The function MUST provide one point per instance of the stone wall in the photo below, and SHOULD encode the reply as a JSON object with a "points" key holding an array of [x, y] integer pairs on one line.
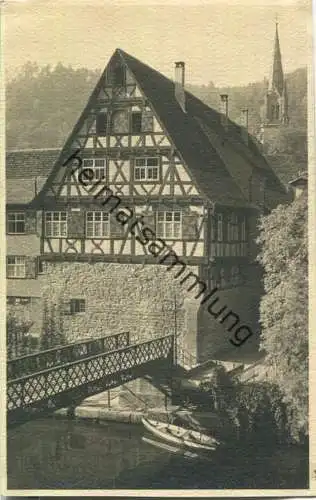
{"points": [[148, 301], [137, 298]]}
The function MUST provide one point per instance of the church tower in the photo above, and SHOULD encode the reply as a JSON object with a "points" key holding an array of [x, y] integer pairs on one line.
{"points": [[275, 108]]}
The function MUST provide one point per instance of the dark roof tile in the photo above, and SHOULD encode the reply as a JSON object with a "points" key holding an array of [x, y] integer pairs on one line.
{"points": [[211, 161], [30, 162]]}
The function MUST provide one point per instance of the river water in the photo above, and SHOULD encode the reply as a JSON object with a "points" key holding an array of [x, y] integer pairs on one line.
{"points": [[62, 454]]}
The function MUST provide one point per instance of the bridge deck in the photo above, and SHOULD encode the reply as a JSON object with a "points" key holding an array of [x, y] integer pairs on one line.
{"points": [[51, 358], [62, 385]]}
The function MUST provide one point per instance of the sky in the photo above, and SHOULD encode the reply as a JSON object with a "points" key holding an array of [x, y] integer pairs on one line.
{"points": [[226, 42]]}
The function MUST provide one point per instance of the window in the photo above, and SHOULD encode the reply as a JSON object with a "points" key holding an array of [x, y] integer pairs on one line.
{"points": [[14, 301], [41, 266], [56, 224], [119, 122], [16, 267], [272, 112], [77, 306], [119, 75], [97, 224], [169, 224], [16, 223], [101, 124], [98, 165], [142, 122], [146, 169], [136, 122], [219, 227], [232, 228], [147, 121]]}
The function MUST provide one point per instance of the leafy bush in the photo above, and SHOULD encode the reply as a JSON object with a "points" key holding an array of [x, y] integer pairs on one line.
{"points": [[52, 330], [284, 306], [261, 414], [17, 336]]}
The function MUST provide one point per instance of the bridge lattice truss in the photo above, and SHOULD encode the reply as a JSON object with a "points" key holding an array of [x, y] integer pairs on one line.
{"points": [[63, 384]]}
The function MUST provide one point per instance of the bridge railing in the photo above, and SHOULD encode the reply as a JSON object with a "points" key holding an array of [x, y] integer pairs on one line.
{"points": [[109, 367], [185, 358], [63, 354]]}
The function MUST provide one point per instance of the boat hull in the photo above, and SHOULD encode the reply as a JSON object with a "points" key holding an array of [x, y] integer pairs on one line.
{"points": [[177, 450], [179, 436]]}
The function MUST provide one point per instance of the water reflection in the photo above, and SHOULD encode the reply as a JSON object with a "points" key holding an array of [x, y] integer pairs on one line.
{"points": [[56, 454]]}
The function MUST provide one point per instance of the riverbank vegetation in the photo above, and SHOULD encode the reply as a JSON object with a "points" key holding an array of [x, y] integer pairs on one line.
{"points": [[19, 341], [284, 307]]}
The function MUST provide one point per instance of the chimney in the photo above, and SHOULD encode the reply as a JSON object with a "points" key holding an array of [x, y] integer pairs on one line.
{"points": [[179, 84], [224, 110], [244, 125]]}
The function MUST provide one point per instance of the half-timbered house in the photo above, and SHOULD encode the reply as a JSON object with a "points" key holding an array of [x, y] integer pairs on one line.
{"points": [[197, 180]]}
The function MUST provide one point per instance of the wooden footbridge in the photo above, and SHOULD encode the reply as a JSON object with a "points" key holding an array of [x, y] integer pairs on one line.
{"points": [[65, 375]]}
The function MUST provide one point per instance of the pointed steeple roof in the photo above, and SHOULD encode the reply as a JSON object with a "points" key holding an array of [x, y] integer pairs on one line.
{"points": [[277, 77]]}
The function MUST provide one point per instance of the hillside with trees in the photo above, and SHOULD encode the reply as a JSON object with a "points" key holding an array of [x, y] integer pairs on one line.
{"points": [[43, 103]]}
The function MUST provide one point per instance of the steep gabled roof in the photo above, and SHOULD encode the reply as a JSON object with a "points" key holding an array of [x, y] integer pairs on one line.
{"points": [[208, 149], [205, 159], [207, 168]]}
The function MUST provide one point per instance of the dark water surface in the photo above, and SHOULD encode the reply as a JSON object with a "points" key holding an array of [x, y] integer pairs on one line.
{"points": [[58, 454]]}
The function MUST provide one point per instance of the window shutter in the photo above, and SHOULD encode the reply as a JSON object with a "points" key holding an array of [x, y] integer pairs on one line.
{"points": [[129, 77], [150, 221], [30, 222], [101, 123], [39, 221], [189, 226], [117, 229], [30, 267], [119, 76], [136, 122], [66, 307], [147, 121], [213, 228], [76, 224], [119, 122]]}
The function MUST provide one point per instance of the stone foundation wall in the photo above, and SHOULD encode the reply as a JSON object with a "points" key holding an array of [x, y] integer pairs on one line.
{"points": [[148, 301], [145, 300]]}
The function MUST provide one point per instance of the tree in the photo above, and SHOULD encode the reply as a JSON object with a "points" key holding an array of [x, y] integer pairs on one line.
{"points": [[43, 103], [17, 336], [284, 306], [52, 329]]}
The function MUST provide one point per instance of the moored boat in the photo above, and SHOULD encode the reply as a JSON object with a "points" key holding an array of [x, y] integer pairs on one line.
{"points": [[178, 450], [180, 436]]}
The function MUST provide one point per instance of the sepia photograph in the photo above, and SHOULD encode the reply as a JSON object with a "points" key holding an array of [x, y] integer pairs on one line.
{"points": [[156, 235]]}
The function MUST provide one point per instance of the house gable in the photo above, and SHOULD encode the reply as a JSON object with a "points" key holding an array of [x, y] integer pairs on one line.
{"points": [[121, 135]]}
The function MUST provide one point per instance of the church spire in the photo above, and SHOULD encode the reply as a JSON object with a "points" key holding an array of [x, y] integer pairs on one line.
{"points": [[275, 109], [277, 77]]}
